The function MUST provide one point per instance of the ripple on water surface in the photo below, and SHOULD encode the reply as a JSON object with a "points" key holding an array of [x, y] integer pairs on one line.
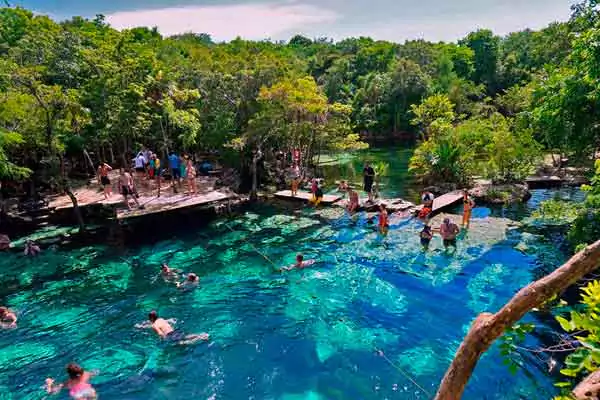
{"points": [[310, 334]]}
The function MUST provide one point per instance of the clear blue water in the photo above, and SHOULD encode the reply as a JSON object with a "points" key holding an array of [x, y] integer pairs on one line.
{"points": [[300, 335]]}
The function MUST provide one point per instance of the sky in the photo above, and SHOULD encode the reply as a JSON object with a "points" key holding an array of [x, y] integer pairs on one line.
{"points": [[394, 20]]}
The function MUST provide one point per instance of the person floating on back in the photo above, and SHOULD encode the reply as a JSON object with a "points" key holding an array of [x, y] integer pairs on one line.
{"points": [[449, 230], [468, 205], [299, 264], [78, 384], [368, 178], [164, 329]]}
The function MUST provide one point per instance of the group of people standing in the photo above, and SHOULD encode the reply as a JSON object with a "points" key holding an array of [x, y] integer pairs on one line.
{"points": [[448, 230], [148, 168]]}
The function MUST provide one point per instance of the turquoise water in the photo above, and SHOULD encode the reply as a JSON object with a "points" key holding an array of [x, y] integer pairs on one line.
{"points": [[301, 335]]}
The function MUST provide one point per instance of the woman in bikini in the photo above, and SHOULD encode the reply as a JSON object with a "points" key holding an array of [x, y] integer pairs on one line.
{"points": [[103, 170], [190, 173], [78, 384]]}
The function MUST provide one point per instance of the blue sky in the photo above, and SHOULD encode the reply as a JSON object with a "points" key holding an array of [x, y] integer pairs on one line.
{"points": [[395, 20]]}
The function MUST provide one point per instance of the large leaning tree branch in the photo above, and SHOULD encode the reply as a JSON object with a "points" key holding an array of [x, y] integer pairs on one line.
{"points": [[488, 327]]}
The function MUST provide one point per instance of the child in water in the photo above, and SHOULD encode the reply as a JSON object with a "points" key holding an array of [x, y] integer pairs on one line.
{"points": [[78, 384]]}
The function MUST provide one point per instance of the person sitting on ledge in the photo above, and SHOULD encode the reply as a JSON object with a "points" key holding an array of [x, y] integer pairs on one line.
{"points": [[300, 263], [352, 200]]}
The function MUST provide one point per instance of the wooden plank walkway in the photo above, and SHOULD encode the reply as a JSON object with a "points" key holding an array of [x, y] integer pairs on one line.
{"points": [[169, 203], [306, 196], [447, 200]]}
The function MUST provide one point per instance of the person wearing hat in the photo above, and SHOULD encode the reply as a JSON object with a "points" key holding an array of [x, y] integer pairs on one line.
{"points": [[449, 230]]}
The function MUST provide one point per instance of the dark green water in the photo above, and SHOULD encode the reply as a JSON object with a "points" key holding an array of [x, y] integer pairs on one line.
{"points": [[300, 335]]}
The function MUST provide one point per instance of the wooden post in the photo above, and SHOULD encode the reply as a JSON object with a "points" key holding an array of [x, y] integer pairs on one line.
{"points": [[488, 327]]}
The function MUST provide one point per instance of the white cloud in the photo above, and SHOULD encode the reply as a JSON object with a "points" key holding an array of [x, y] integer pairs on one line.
{"points": [[250, 21], [501, 19]]}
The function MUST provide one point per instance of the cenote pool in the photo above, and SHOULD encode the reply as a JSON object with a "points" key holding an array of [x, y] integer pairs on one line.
{"points": [[301, 335]]}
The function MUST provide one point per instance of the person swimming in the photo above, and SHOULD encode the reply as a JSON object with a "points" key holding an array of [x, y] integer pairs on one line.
{"points": [[31, 249], [299, 264], [78, 384], [190, 282], [164, 329], [426, 236], [8, 319]]}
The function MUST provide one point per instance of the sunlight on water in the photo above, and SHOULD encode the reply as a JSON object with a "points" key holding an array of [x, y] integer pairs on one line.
{"points": [[310, 334]]}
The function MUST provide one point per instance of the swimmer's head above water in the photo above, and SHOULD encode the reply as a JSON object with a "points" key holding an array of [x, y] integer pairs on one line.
{"points": [[192, 277], [165, 268], [74, 371], [299, 258], [153, 316]]}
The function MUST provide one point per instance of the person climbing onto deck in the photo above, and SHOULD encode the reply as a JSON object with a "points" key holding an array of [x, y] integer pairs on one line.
{"points": [[103, 170], [368, 179], [164, 329], [353, 201], [384, 224], [449, 230], [299, 264], [190, 282], [426, 235], [468, 205], [31, 249], [126, 187], [8, 319], [78, 384]]}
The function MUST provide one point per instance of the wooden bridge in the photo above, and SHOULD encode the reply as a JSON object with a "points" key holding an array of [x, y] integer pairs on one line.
{"points": [[306, 196]]}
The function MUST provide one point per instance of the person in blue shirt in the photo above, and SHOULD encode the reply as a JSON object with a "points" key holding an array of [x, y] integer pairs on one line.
{"points": [[175, 169]]}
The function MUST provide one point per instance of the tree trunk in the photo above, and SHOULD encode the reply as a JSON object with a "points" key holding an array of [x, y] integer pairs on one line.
{"points": [[589, 387], [488, 327], [76, 208]]}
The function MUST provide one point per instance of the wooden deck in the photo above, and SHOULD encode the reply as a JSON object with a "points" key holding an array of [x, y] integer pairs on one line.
{"points": [[169, 203], [447, 200], [306, 196], [540, 182]]}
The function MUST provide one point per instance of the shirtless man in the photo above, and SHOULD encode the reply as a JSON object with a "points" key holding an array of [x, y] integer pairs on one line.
{"points": [[300, 263], [449, 230], [126, 187], [8, 319], [166, 331]]}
